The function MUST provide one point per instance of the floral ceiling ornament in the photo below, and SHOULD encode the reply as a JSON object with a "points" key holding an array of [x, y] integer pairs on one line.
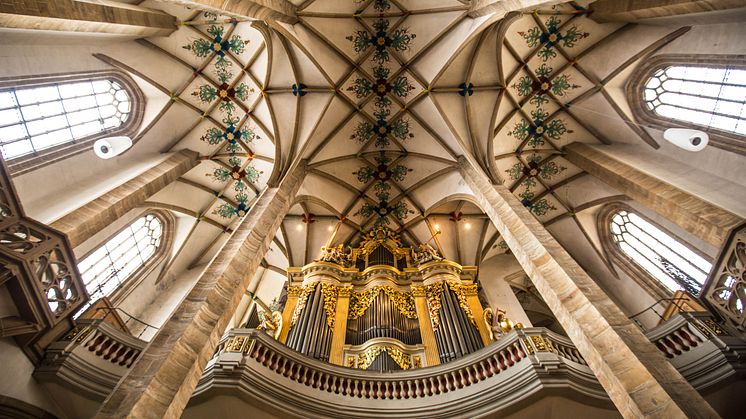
{"points": [[227, 210], [227, 92], [542, 85], [539, 127], [382, 129], [552, 37], [546, 171], [237, 173], [539, 207], [381, 40], [382, 175], [231, 136]]}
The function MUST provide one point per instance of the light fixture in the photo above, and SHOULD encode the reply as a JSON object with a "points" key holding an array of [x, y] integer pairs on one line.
{"points": [[299, 227], [467, 226], [688, 139], [330, 228], [109, 147], [436, 227]]}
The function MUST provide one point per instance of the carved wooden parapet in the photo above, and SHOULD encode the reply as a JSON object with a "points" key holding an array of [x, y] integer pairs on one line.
{"points": [[725, 288], [40, 271]]}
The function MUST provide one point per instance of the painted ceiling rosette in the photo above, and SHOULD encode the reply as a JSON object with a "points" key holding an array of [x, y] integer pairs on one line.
{"points": [[236, 136], [382, 129]]}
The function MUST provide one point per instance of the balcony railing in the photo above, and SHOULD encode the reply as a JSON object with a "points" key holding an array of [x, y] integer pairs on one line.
{"points": [[38, 267], [91, 357]]}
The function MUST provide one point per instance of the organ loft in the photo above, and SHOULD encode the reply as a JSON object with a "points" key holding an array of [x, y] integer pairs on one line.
{"points": [[372, 209]]}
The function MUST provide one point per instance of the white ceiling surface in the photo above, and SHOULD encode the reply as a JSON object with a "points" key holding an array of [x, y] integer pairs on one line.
{"points": [[449, 49]]}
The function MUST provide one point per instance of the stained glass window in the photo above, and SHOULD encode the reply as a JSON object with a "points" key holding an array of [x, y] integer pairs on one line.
{"points": [[110, 265], [665, 258], [35, 118], [713, 97]]}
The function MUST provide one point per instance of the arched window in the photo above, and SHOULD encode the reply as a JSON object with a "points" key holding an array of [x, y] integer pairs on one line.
{"points": [[58, 116], [651, 253], [706, 92], [107, 268]]}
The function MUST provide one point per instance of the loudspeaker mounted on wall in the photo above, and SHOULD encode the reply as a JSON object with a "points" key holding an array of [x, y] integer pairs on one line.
{"points": [[107, 148], [688, 139]]}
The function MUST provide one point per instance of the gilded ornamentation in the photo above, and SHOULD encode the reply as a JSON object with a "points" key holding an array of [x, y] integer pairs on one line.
{"points": [[345, 292], [418, 291], [294, 291], [460, 291], [715, 327], [360, 301], [366, 359], [542, 344], [350, 362], [271, 323], [425, 253], [527, 345], [433, 302], [302, 300], [416, 361], [330, 293], [235, 344], [335, 255], [705, 331]]}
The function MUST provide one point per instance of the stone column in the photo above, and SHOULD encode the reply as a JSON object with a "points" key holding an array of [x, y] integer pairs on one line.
{"points": [[426, 326], [638, 378], [268, 10], [336, 356], [644, 10], [164, 378], [287, 313], [86, 16], [704, 220], [81, 224]]}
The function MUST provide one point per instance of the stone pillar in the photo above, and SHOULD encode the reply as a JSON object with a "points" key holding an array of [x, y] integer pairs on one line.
{"points": [[160, 384], [85, 16], [494, 275], [704, 220], [638, 378], [644, 10], [426, 326], [336, 356], [502, 7], [287, 313], [478, 311], [81, 224], [268, 10]]}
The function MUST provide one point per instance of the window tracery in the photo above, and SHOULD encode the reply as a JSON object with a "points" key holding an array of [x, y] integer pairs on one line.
{"points": [[47, 118], [111, 265], [705, 92], [650, 253]]}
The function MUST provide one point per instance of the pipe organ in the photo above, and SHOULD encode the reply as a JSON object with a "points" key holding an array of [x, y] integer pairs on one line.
{"points": [[383, 307]]}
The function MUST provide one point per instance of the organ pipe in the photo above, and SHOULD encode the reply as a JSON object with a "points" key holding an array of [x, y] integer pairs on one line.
{"points": [[382, 305]]}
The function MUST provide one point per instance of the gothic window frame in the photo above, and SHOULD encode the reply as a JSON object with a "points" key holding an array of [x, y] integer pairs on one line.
{"points": [[618, 258], [635, 91], [33, 161], [134, 279]]}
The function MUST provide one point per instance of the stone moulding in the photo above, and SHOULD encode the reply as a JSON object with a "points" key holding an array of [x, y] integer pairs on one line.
{"points": [[295, 385]]}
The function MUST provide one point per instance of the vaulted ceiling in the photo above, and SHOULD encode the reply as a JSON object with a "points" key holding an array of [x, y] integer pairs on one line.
{"points": [[381, 97]]}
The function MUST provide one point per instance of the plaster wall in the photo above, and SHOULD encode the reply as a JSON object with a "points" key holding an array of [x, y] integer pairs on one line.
{"points": [[18, 382], [492, 274]]}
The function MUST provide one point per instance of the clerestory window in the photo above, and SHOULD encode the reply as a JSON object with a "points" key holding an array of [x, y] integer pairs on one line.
{"points": [[58, 116], [706, 92], [655, 253], [107, 268]]}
